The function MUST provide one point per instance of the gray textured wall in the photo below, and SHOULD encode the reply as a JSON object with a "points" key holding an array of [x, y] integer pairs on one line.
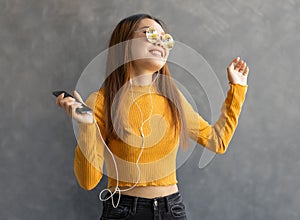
{"points": [[45, 45]]}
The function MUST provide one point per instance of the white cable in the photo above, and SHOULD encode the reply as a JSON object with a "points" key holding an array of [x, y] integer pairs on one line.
{"points": [[117, 189]]}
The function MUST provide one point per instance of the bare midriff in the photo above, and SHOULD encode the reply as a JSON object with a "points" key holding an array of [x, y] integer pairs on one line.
{"points": [[149, 191]]}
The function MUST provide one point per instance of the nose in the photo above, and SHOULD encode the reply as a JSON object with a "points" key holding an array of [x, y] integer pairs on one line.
{"points": [[159, 42]]}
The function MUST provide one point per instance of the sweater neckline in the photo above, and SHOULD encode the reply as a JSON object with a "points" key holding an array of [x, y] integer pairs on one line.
{"points": [[143, 88]]}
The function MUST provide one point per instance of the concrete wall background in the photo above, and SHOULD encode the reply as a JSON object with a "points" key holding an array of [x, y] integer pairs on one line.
{"points": [[45, 45]]}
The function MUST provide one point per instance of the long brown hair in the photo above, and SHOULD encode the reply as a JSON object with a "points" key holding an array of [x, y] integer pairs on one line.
{"points": [[118, 71]]}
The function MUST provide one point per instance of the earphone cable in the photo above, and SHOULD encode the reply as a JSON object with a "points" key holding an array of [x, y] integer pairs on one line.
{"points": [[117, 189]]}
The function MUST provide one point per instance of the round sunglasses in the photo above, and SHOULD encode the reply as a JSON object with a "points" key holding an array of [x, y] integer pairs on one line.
{"points": [[153, 36]]}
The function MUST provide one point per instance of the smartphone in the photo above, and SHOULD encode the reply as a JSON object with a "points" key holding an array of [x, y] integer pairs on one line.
{"points": [[83, 110]]}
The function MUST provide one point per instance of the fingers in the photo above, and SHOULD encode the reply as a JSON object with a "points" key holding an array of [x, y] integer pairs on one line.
{"points": [[233, 63], [62, 101], [246, 71], [239, 65], [236, 60], [61, 96], [70, 107], [73, 107], [69, 104], [66, 104], [77, 96]]}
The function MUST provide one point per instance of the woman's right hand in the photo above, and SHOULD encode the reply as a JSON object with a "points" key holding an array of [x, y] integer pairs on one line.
{"points": [[70, 105]]}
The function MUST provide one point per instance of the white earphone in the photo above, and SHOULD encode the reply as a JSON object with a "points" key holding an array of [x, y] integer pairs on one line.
{"points": [[117, 189]]}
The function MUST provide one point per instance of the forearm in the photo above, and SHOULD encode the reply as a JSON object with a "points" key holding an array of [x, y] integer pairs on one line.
{"points": [[86, 174], [220, 135], [88, 158]]}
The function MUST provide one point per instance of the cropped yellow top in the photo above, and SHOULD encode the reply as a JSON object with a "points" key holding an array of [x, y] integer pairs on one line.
{"points": [[157, 159]]}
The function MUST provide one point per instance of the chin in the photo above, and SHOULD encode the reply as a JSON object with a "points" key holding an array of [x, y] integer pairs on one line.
{"points": [[157, 64], [152, 64]]}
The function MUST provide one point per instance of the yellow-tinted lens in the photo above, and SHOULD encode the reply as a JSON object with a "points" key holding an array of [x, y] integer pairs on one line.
{"points": [[167, 41], [152, 34]]}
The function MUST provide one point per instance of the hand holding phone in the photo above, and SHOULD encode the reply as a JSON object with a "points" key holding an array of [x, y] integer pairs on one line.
{"points": [[83, 110], [84, 113]]}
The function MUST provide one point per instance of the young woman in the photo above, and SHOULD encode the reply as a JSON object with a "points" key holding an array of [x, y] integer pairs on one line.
{"points": [[139, 117]]}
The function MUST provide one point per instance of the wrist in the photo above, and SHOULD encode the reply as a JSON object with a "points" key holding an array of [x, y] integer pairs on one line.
{"points": [[239, 83]]}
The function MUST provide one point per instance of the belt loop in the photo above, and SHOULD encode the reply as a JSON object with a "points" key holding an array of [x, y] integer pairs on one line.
{"points": [[167, 204], [135, 200]]}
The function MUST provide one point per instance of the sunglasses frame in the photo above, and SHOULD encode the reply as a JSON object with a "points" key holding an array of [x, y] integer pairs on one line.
{"points": [[167, 45]]}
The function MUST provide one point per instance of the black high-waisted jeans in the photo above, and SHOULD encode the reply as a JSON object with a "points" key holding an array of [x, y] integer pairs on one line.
{"points": [[137, 208]]}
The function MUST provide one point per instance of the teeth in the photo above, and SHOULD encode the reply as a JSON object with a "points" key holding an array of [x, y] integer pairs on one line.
{"points": [[156, 53]]}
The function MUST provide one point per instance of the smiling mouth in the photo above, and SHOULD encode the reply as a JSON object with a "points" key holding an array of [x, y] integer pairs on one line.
{"points": [[156, 53]]}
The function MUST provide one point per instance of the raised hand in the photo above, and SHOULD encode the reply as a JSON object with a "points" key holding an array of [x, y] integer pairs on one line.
{"points": [[70, 104], [238, 72]]}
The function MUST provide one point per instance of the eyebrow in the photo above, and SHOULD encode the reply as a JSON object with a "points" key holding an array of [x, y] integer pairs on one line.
{"points": [[148, 27]]}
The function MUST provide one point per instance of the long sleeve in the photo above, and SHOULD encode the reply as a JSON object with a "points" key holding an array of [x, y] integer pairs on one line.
{"points": [[89, 158], [217, 137]]}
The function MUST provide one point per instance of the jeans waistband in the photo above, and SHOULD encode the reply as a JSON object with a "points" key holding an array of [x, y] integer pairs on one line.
{"points": [[161, 202]]}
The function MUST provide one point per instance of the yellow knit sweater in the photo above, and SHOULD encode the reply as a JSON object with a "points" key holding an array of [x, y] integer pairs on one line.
{"points": [[157, 160]]}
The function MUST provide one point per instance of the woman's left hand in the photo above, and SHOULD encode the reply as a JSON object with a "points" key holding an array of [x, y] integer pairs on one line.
{"points": [[238, 72]]}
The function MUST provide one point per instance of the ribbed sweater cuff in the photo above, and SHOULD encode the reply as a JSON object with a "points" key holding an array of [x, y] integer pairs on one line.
{"points": [[237, 93]]}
